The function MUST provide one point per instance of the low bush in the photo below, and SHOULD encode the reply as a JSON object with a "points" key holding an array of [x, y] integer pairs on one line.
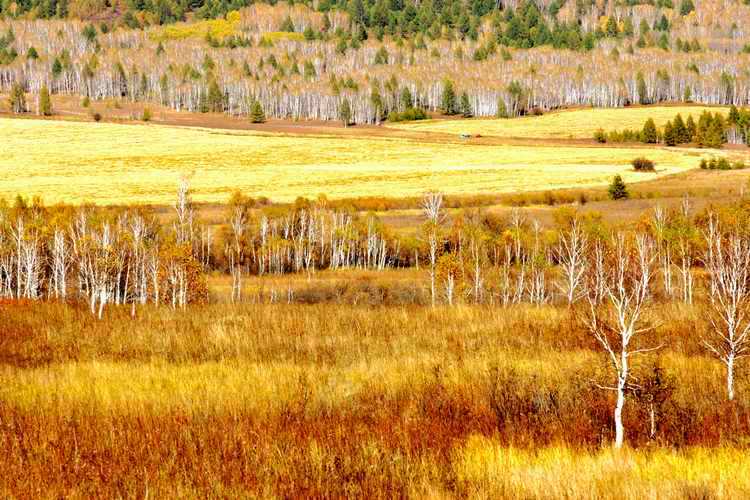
{"points": [[643, 165]]}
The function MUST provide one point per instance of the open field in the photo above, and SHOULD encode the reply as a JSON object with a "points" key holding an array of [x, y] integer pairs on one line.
{"points": [[565, 124], [109, 163], [327, 400]]}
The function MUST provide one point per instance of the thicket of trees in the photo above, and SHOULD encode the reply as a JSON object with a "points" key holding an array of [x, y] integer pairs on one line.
{"points": [[712, 130], [302, 63]]}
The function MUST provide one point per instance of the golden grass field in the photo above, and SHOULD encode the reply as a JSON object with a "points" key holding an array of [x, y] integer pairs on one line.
{"points": [[335, 401], [566, 124], [110, 163]]}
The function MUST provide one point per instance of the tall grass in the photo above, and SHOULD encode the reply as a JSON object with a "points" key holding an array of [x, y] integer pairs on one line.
{"points": [[326, 400]]}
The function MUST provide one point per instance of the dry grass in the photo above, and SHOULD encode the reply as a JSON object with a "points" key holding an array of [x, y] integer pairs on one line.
{"points": [[113, 164], [336, 401], [487, 469], [567, 124]]}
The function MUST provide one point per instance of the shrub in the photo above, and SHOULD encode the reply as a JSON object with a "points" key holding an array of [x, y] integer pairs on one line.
{"points": [[723, 164], [146, 117], [704, 164], [97, 117], [643, 165], [600, 136], [410, 114], [86, 102]]}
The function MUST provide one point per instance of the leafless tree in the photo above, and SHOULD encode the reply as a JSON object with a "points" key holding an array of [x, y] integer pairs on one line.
{"points": [[728, 269], [432, 208], [184, 213], [571, 254], [620, 318]]}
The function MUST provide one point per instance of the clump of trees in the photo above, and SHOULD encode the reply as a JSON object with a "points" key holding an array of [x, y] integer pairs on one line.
{"points": [[712, 130]]}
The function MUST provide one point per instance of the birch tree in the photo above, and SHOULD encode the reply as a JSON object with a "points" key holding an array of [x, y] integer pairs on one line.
{"points": [[619, 321], [432, 208], [728, 268], [571, 255]]}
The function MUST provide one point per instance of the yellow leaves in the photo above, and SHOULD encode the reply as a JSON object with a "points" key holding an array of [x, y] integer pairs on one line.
{"points": [[234, 17], [216, 28], [274, 36], [603, 20]]}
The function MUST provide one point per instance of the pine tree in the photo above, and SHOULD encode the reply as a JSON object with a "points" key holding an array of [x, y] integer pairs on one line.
{"points": [[649, 135], [617, 189], [257, 115], [670, 137], [345, 112], [406, 100], [45, 102], [734, 115], [691, 129], [215, 98], [17, 99], [465, 106], [448, 99], [686, 7], [642, 90], [680, 130], [57, 68]]}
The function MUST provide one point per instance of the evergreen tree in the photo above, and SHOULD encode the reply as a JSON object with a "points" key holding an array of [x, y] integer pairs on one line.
{"points": [[649, 135], [617, 189], [502, 110], [691, 129], [686, 7], [45, 102], [257, 115], [215, 97], [642, 90], [670, 137], [17, 99], [57, 68], [465, 105], [406, 100], [680, 130], [664, 42], [448, 99], [734, 115], [345, 112]]}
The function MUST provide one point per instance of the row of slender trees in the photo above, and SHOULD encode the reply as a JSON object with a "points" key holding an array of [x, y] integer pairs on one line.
{"points": [[613, 279], [290, 76]]}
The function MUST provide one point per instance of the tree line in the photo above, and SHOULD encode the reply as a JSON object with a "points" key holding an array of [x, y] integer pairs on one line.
{"points": [[711, 130]]}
